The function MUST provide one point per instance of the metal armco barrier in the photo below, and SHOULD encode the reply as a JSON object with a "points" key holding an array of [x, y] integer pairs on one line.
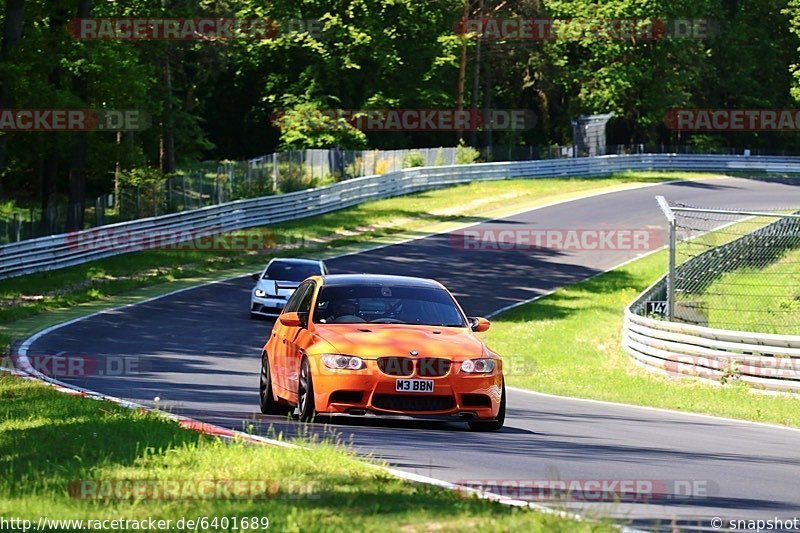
{"points": [[762, 361], [59, 251]]}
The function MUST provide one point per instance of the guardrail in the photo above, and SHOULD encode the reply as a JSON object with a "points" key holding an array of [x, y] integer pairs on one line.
{"points": [[59, 251], [763, 361]]}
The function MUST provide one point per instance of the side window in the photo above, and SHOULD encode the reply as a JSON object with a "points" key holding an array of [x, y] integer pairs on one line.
{"points": [[305, 301], [299, 296]]}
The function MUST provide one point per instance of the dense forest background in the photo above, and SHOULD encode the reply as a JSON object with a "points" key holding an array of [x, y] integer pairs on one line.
{"points": [[215, 100]]}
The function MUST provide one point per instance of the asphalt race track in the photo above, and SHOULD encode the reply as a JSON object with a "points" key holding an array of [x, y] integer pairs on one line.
{"points": [[199, 352]]}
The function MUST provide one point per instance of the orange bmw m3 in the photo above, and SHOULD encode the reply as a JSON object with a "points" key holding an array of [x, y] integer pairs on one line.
{"points": [[365, 345]]}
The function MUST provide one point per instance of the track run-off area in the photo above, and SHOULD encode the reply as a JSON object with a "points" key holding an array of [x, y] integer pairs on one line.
{"points": [[200, 353]]}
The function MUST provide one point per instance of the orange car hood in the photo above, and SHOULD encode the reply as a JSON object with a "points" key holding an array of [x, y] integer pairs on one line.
{"points": [[376, 340]]}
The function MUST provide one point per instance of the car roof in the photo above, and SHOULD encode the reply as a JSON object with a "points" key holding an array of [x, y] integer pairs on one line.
{"points": [[296, 261], [338, 280]]}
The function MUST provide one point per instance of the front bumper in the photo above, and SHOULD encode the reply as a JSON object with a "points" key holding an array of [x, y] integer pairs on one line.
{"points": [[371, 392], [271, 306]]}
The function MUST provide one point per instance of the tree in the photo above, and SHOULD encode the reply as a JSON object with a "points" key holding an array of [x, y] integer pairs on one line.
{"points": [[12, 33]]}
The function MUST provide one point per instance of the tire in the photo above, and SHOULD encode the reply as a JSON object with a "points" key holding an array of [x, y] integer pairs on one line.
{"points": [[266, 398], [254, 316], [497, 423], [306, 408]]}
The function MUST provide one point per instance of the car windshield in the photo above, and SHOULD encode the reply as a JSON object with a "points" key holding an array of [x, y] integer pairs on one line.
{"points": [[290, 271], [387, 305]]}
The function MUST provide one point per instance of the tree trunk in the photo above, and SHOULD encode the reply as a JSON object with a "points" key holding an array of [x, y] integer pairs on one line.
{"points": [[462, 71], [476, 83], [167, 144], [80, 146], [487, 100], [49, 185], [52, 149], [12, 33]]}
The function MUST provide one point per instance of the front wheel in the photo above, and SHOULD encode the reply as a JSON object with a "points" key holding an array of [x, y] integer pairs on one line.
{"points": [[497, 423], [306, 407], [266, 398]]}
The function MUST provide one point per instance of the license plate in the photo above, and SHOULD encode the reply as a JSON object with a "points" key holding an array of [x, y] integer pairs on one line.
{"points": [[414, 385]]}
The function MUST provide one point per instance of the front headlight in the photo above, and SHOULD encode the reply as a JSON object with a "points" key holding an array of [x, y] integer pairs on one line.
{"points": [[337, 361], [260, 293], [478, 366]]}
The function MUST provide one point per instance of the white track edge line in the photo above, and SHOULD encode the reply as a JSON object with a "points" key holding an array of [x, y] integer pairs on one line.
{"points": [[765, 425]]}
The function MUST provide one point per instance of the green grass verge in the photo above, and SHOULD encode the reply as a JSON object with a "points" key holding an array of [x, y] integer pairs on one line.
{"points": [[755, 299], [49, 440], [568, 344], [31, 302]]}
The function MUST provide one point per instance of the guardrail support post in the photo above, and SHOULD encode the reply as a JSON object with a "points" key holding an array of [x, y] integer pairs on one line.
{"points": [[662, 202], [671, 274]]}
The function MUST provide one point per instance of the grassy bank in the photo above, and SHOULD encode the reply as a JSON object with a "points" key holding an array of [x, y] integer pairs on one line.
{"points": [[755, 299], [49, 441], [568, 343], [30, 302]]}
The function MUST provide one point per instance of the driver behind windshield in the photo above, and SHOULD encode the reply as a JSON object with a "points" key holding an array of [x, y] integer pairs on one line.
{"points": [[344, 311], [388, 305]]}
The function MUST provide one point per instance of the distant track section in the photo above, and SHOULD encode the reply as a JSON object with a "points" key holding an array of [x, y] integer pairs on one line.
{"points": [[64, 250]]}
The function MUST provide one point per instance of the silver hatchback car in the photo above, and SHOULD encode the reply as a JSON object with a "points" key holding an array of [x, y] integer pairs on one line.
{"points": [[277, 283]]}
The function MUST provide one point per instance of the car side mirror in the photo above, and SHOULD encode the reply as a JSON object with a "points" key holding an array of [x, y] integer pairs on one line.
{"points": [[255, 276], [291, 319], [479, 324], [294, 320]]}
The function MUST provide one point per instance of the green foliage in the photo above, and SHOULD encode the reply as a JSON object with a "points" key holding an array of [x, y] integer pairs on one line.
{"points": [[793, 12], [706, 143], [439, 160], [240, 98], [140, 176], [413, 159], [243, 188], [294, 178], [306, 126], [466, 154]]}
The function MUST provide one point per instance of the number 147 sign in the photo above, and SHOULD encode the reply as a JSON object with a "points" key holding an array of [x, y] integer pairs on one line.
{"points": [[656, 308]]}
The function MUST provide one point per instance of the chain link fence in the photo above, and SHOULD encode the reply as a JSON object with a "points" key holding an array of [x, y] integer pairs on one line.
{"points": [[731, 269], [213, 183]]}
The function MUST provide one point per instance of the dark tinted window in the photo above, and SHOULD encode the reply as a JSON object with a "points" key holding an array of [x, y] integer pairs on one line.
{"points": [[301, 296], [305, 302], [290, 271], [387, 304]]}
